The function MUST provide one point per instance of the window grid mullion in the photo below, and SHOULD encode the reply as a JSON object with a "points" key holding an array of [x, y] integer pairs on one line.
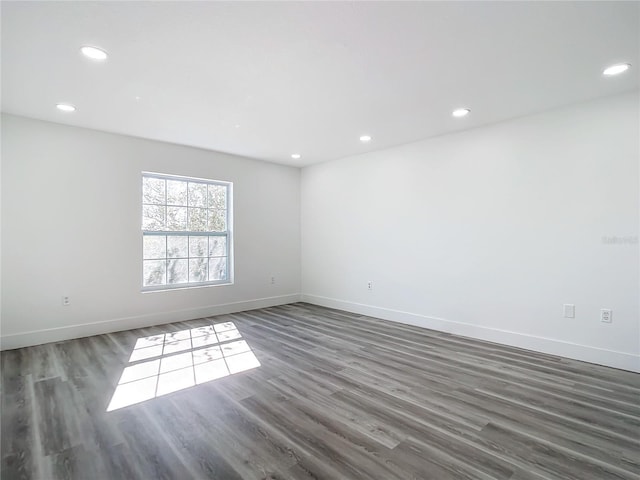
{"points": [[188, 207], [166, 198], [166, 259], [185, 233]]}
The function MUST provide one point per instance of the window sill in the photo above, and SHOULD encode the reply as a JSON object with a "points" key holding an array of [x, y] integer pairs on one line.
{"points": [[164, 288]]}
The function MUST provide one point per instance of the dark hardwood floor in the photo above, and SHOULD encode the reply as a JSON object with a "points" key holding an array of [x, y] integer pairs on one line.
{"points": [[335, 396]]}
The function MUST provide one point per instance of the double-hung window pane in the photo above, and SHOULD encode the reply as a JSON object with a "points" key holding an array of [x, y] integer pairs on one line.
{"points": [[185, 232]]}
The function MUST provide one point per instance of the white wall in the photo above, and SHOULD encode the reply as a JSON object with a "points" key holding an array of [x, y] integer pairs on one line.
{"points": [[71, 226], [487, 232]]}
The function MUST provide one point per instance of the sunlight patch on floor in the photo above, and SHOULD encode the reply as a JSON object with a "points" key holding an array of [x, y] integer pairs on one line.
{"points": [[172, 361]]}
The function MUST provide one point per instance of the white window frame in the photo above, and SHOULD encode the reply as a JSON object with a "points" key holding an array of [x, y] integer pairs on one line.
{"points": [[187, 233]]}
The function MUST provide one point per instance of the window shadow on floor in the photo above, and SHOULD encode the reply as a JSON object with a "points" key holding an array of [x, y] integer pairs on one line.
{"points": [[168, 362]]}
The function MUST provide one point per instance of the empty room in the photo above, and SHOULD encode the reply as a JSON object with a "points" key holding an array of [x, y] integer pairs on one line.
{"points": [[320, 240]]}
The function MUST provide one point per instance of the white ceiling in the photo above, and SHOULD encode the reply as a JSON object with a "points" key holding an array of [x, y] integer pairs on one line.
{"points": [[309, 78]]}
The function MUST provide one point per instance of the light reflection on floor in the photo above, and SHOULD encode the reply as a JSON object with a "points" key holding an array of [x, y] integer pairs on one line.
{"points": [[169, 362]]}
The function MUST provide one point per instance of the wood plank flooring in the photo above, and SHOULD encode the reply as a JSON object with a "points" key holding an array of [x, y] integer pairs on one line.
{"points": [[336, 396]]}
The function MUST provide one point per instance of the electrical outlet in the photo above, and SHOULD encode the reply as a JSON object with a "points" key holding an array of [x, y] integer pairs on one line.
{"points": [[273, 280], [369, 285], [568, 310], [66, 301], [606, 315]]}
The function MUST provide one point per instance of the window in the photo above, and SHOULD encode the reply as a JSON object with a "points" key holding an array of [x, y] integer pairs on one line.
{"points": [[185, 232]]}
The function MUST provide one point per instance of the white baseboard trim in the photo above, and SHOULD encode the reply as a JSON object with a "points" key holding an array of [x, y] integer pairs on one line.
{"points": [[38, 337], [600, 356]]}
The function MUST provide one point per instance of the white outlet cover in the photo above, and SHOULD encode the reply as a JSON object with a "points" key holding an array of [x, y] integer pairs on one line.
{"points": [[606, 315], [568, 310]]}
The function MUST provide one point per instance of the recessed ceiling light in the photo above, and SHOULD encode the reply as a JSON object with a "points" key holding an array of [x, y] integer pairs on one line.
{"points": [[616, 69], [296, 156], [460, 112], [94, 53], [365, 138], [65, 107]]}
